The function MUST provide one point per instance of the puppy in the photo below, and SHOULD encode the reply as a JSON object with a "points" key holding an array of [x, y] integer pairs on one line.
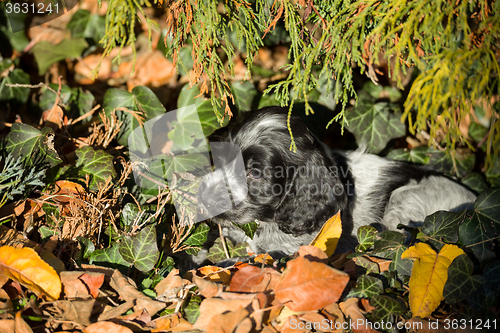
{"points": [[292, 194]]}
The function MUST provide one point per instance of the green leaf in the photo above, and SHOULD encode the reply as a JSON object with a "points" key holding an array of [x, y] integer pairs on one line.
{"points": [[87, 245], [192, 310], [244, 93], [78, 23], [141, 100], [98, 164], [401, 266], [443, 162], [491, 272], [443, 227], [47, 54], [85, 25], [162, 167], [216, 252], [46, 232], [415, 155], [366, 287], [475, 182], [141, 249], [493, 172], [461, 283], [478, 231], [390, 244], [386, 307], [48, 98], [81, 102], [388, 241], [366, 237], [379, 92], [368, 265], [477, 132], [197, 238], [375, 124], [30, 143], [111, 255], [248, 228], [17, 95]]}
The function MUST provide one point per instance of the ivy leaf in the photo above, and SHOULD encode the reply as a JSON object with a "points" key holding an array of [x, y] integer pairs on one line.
{"points": [[399, 265], [478, 231], [98, 164], [248, 228], [443, 226], [475, 182], [390, 244], [48, 97], [83, 24], [197, 238], [30, 143], [493, 172], [141, 249], [244, 93], [366, 287], [461, 284], [216, 252], [443, 162], [88, 246], [47, 54], [19, 95], [110, 255], [141, 100], [416, 155], [162, 167], [375, 124], [366, 237], [428, 276], [386, 307], [131, 213], [192, 310]]}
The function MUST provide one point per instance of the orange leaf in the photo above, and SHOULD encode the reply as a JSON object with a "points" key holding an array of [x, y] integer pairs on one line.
{"points": [[25, 266], [351, 309], [215, 274], [254, 279], [312, 253], [67, 191], [106, 327], [428, 276], [211, 307], [264, 258], [309, 286], [328, 237]]}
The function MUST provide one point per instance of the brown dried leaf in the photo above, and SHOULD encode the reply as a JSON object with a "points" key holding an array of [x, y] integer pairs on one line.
{"points": [[254, 279], [20, 325], [93, 281], [77, 311], [153, 68], [171, 283], [309, 286], [207, 288], [351, 309], [211, 307], [313, 253], [73, 287], [106, 327], [227, 322], [7, 325]]}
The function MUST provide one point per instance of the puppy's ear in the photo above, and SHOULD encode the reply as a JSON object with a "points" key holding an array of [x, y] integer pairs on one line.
{"points": [[314, 192]]}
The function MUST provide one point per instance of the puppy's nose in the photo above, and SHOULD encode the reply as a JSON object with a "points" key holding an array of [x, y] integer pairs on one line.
{"points": [[213, 198]]}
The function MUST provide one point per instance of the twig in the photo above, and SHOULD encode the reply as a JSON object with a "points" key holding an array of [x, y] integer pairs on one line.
{"points": [[91, 112], [223, 242]]}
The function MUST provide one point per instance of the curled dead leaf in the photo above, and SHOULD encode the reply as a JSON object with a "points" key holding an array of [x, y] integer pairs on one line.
{"points": [[106, 327], [254, 279]]}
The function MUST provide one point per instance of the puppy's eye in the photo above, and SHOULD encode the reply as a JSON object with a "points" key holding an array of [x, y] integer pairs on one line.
{"points": [[255, 173]]}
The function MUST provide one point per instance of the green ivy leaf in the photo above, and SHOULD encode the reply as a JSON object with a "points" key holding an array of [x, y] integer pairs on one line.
{"points": [[85, 25], [375, 124], [110, 255], [366, 287], [461, 283], [475, 182], [386, 307], [87, 245], [366, 237], [478, 231], [192, 310], [16, 95], [390, 244], [197, 238], [248, 228], [98, 164], [216, 252], [443, 227], [47, 54], [48, 98], [416, 155], [162, 167], [244, 93], [443, 162], [46, 232], [401, 266], [368, 265], [141, 249], [141, 100], [80, 103], [493, 172], [30, 143]]}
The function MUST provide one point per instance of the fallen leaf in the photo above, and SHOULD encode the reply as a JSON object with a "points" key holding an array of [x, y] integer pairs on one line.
{"points": [[172, 323], [171, 283], [207, 288], [85, 67], [20, 325], [93, 281], [253, 279], [80, 284], [54, 117], [328, 237], [26, 267], [152, 68], [7, 325], [264, 259], [351, 309], [211, 307], [67, 191], [215, 274], [106, 327], [383, 264], [428, 276], [77, 311], [227, 322], [309, 286], [335, 316], [294, 325], [313, 253]]}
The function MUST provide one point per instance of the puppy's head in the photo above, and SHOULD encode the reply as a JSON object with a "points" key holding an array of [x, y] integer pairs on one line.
{"points": [[297, 190]]}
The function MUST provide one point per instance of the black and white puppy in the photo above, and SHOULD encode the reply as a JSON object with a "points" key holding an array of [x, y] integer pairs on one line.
{"points": [[292, 194]]}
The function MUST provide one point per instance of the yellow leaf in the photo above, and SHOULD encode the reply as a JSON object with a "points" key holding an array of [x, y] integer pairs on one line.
{"points": [[329, 235], [428, 276], [26, 267]]}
